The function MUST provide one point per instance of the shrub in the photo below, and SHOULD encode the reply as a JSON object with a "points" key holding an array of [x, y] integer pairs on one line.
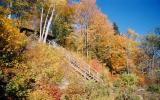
{"points": [[99, 92], [41, 66], [39, 95], [15, 90], [126, 80], [86, 91], [19, 86], [44, 63], [53, 91], [11, 39], [125, 87], [12, 42], [127, 96], [154, 88]]}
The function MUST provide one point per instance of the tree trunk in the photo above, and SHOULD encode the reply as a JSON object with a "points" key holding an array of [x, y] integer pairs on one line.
{"points": [[81, 33], [44, 27], [48, 26], [41, 22], [87, 52]]}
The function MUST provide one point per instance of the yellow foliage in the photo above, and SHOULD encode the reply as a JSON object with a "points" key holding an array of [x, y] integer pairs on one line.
{"points": [[41, 65], [44, 62], [11, 39], [39, 95]]}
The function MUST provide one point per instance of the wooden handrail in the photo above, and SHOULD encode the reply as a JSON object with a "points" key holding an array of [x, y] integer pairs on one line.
{"points": [[82, 68]]}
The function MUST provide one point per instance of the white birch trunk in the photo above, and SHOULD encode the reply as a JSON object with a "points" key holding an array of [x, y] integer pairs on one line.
{"points": [[48, 26], [41, 22], [44, 27]]}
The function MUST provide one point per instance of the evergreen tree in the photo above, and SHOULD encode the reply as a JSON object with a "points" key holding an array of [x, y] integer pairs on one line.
{"points": [[116, 29]]}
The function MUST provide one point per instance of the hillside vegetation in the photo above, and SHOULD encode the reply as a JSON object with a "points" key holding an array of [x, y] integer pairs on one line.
{"points": [[37, 37]]}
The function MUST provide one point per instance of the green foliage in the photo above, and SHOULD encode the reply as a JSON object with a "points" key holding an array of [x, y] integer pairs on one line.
{"points": [[20, 85], [116, 29], [128, 80], [87, 90], [72, 42], [151, 44], [97, 92], [62, 24], [16, 90], [3, 11], [17, 7], [154, 88], [127, 96], [125, 87], [4, 8]]}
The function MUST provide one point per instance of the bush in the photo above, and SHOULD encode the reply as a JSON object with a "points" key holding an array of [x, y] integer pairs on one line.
{"points": [[11, 39], [44, 63], [127, 96], [12, 45], [126, 80], [125, 87], [41, 66], [154, 88], [39, 95], [12, 42], [15, 90], [86, 91], [19, 86]]}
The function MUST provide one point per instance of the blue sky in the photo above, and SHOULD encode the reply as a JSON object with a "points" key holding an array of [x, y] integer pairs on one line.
{"points": [[140, 15]]}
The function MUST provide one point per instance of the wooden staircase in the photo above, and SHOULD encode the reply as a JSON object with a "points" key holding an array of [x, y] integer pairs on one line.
{"points": [[81, 67]]}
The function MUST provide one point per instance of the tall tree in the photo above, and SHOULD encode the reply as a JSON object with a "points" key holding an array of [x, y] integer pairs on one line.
{"points": [[116, 29], [150, 44], [85, 10], [130, 46], [44, 28], [62, 24]]}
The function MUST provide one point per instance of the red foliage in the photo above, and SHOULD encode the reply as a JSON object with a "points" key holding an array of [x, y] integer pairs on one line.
{"points": [[53, 90], [96, 65]]}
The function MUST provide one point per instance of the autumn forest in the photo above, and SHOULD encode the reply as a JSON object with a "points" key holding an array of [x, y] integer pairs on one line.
{"points": [[70, 50]]}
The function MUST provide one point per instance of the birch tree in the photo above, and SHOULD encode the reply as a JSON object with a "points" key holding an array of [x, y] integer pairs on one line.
{"points": [[45, 24]]}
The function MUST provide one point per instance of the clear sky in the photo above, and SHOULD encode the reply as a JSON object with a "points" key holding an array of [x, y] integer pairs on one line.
{"points": [[140, 15]]}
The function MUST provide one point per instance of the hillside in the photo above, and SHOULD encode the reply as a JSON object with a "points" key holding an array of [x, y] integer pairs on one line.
{"points": [[68, 50]]}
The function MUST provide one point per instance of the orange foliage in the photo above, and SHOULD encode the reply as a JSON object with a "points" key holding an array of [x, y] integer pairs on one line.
{"points": [[97, 36], [11, 40], [114, 50]]}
